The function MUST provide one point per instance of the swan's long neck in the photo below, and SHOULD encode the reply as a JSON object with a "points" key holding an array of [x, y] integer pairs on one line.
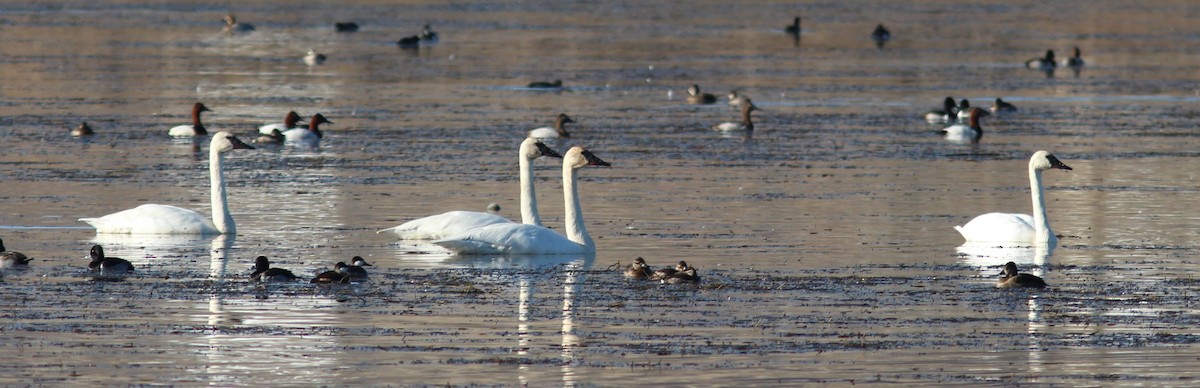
{"points": [[1041, 224], [529, 213], [220, 206], [575, 230]]}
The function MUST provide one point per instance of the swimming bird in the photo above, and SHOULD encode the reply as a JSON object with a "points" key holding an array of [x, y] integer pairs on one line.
{"points": [[970, 133], [695, 97], [457, 222], [313, 59], [1075, 61], [166, 219], [332, 277], [107, 265], [638, 270], [1043, 63], [687, 275], [82, 130], [545, 85], [311, 136], [559, 130], [9, 259], [1024, 229], [745, 125], [1009, 278], [525, 239], [947, 114], [232, 25], [275, 138], [1002, 106], [289, 122], [737, 100], [667, 272], [794, 28], [355, 271], [196, 128], [428, 35], [345, 27], [264, 273], [881, 35], [409, 42], [964, 110]]}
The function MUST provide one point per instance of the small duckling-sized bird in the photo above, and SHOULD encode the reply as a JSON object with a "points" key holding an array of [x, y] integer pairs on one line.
{"points": [[409, 42], [1075, 61], [687, 275], [275, 138], [332, 277], [1046, 62], [1009, 278], [881, 35], [107, 265], [695, 97], [345, 27], [428, 35], [9, 259], [232, 25], [355, 270], [947, 114], [638, 270], [667, 272], [545, 85], [737, 100], [794, 28], [313, 58], [82, 130], [264, 273], [1001, 106]]}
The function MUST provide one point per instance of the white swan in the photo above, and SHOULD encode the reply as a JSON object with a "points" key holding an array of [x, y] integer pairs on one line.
{"points": [[457, 222], [959, 133], [1019, 228], [195, 129], [524, 239], [745, 125], [557, 131], [166, 219], [289, 122], [310, 136]]}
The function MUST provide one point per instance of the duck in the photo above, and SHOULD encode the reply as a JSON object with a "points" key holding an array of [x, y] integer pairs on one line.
{"points": [[264, 273], [1075, 61], [745, 125], [1023, 229], [275, 138], [82, 130], [9, 259], [355, 270], [409, 42], [332, 277], [687, 275], [313, 58], [1009, 278], [557, 131], [737, 100], [457, 222], [947, 114], [695, 97], [310, 136], [289, 122], [232, 25], [794, 28], [525, 239], [881, 35], [196, 128], [964, 110], [1043, 63], [1000, 106], [427, 35], [345, 27], [638, 270], [970, 133], [166, 219], [107, 265], [545, 85], [667, 272]]}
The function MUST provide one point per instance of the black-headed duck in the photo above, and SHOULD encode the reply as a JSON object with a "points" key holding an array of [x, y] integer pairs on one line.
{"points": [[638, 270], [545, 85], [696, 97], [794, 28], [264, 273], [345, 27], [559, 130], [107, 265], [9, 259], [1009, 278], [196, 128], [948, 113], [409, 42], [355, 270], [1075, 61], [1001, 106], [881, 35], [745, 125], [1046, 62]]}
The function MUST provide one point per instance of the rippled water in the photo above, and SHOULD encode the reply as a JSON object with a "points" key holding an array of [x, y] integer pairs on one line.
{"points": [[825, 239]]}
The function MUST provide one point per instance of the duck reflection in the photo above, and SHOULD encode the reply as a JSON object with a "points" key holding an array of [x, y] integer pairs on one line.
{"points": [[1034, 259]]}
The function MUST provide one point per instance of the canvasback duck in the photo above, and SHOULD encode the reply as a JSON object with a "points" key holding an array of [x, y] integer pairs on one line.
{"points": [[310, 136], [289, 122], [275, 138], [1009, 278], [947, 114], [696, 97], [638, 270], [1075, 61], [745, 125], [545, 85], [107, 265], [881, 35], [232, 25], [345, 27], [313, 58], [427, 35], [959, 133], [264, 273], [1000, 106], [9, 259], [332, 277], [82, 130], [794, 28], [196, 129], [1043, 63], [557, 131]]}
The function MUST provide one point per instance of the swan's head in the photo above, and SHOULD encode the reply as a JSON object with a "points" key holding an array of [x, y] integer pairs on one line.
{"points": [[199, 107], [359, 261], [224, 142], [533, 148], [97, 253], [1043, 160], [578, 157], [261, 263]]}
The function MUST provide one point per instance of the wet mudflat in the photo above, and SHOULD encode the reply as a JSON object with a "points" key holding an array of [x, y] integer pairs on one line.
{"points": [[824, 239]]}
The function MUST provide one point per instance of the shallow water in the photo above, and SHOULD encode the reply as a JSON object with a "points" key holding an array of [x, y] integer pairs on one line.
{"points": [[825, 240]]}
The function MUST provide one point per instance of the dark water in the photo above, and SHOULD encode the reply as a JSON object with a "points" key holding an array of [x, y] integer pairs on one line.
{"points": [[825, 239]]}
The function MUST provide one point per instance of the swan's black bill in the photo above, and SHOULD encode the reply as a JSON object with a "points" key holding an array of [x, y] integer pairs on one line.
{"points": [[1055, 163], [547, 151], [593, 160]]}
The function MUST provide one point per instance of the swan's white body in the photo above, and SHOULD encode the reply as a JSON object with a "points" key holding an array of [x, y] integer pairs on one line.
{"points": [[166, 219], [1023, 229], [524, 239], [459, 222]]}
